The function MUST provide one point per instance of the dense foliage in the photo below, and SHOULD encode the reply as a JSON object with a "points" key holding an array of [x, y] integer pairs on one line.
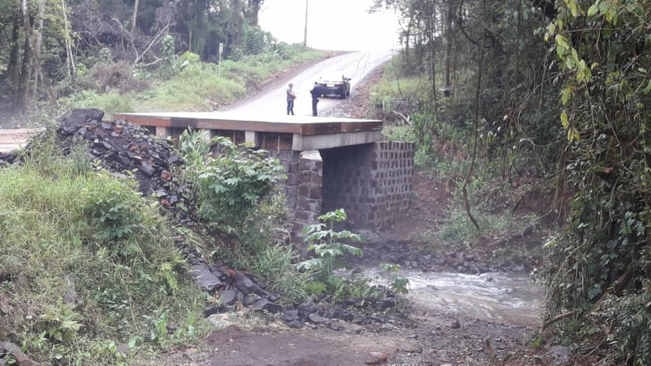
{"points": [[550, 92], [86, 264], [602, 266], [46, 45]]}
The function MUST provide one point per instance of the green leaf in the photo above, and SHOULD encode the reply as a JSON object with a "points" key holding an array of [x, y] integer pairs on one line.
{"points": [[564, 120], [593, 9], [647, 89], [565, 96]]}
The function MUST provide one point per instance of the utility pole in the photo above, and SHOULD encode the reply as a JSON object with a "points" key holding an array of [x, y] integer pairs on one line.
{"points": [[305, 31]]}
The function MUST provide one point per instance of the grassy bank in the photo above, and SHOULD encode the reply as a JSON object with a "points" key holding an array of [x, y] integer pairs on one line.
{"points": [[88, 269], [183, 84]]}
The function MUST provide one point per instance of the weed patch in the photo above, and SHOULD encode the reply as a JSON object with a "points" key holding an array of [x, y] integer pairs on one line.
{"points": [[89, 264]]}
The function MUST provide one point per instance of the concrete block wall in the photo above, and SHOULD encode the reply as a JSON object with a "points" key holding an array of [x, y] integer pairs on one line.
{"points": [[347, 181], [371, 182], [392, 170]]}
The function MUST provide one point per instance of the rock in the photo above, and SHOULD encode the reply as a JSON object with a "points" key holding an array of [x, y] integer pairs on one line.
{"points": [[210, 311], [376, 358], [291, 315], [246, 285], [296, 324], [336, 327], [174, 199], [387, 302], [228, 297], [205, 277], [560, 354], [307, 308], [455, 324], [249, 299], [264, 304], [174, 159], [70, 124], [353, 301], [146, 169], [221, 320], [317, 319], [518, 268], [461, 256], [17, 353], [259, 304]]}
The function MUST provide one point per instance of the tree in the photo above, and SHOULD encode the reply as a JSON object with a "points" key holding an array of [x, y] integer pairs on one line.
{"points": [[603, 263]]}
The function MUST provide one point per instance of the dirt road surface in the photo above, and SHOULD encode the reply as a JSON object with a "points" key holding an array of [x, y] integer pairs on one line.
{"points": [[355, 65]]}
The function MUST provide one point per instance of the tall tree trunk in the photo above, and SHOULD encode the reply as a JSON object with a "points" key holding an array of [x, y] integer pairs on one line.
{"points": [[448, 47], [36, 64], [135, 15], [14, 55], [26, 69], [70, 60], [252, 11]]}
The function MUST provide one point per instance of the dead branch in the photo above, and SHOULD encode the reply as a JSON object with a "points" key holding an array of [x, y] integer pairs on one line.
{"points": [[557, 318], [621, 282], [403, 117], [156, 40]]}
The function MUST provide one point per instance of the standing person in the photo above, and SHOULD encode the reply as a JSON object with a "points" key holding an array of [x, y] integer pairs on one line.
{"points": [[290, 99], [316, 93]]}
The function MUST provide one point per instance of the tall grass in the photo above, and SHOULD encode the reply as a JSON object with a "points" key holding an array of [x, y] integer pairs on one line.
{"points": [[192, 85], [77, 284]]}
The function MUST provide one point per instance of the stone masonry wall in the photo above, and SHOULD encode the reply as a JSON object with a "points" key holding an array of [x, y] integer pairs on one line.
{"points": [[289, 186], [310, 182]]}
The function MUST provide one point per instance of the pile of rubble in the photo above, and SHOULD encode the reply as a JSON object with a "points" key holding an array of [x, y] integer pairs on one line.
{"points": [[235, 290]]}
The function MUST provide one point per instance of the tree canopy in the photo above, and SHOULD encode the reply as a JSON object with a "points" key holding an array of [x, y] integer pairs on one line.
{"points": [[45, 41]]}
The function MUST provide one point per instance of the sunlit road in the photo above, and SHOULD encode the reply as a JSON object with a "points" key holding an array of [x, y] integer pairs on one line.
{"points": [[355, 65]]}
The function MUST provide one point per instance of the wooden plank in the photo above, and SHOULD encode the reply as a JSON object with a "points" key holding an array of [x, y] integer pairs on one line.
{"points": [[311, 125], [144, 120]]}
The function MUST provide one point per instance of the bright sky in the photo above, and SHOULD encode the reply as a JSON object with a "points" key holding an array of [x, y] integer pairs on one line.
{"points": [[332, 24]]}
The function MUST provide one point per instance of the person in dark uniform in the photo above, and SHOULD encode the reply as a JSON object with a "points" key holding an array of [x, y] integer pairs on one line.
{"points": [[316, 94]]}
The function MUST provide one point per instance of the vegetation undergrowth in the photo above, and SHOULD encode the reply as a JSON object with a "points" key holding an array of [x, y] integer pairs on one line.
{"points": [[442, 155], [239, 208], [187, 84], [87, 264]]}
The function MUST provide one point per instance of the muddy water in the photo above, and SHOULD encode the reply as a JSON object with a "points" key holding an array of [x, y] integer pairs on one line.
{"points": [[507, 298]]}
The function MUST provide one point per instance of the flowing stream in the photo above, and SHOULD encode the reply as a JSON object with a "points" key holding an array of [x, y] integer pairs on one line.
{"points": [[508, 298]]}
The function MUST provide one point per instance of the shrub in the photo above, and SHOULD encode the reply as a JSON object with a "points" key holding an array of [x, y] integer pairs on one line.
{"points": [[230, 185], [328, 245]]}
